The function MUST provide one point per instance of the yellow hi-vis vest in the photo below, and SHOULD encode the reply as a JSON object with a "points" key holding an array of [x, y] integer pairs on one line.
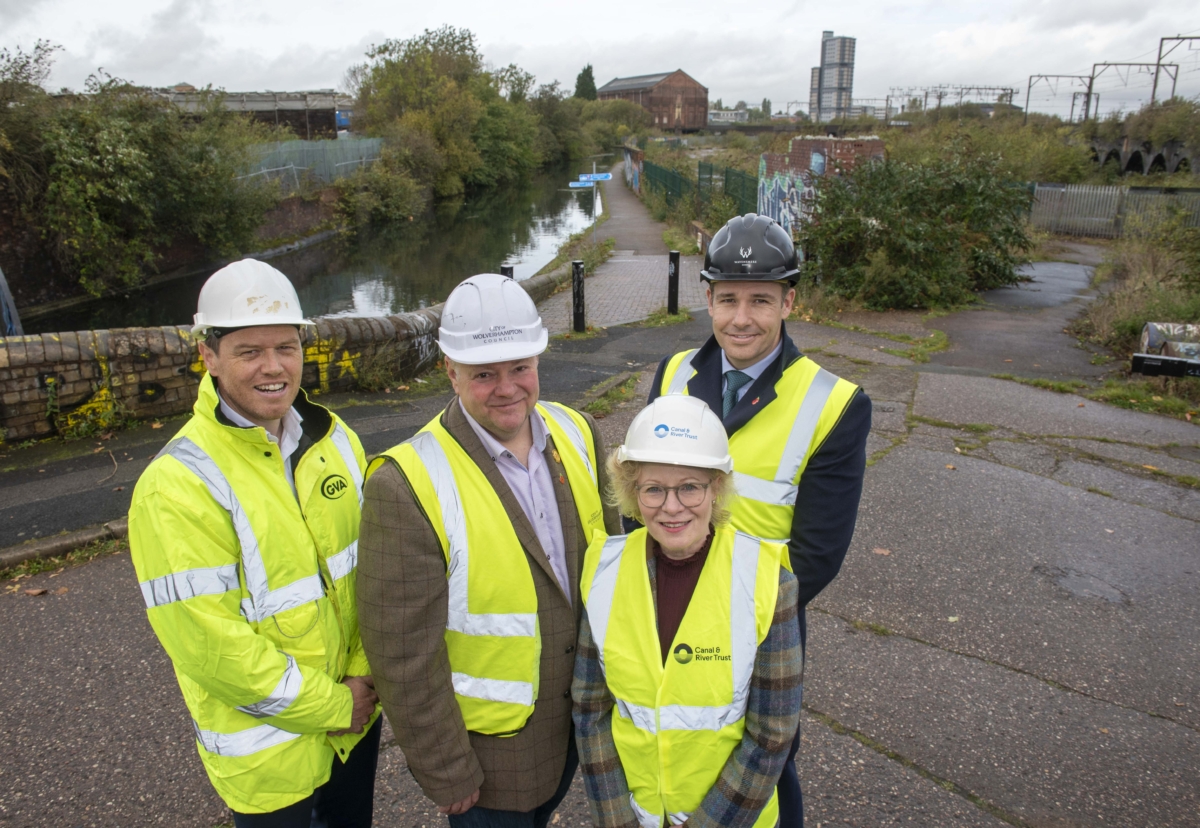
{"points": [[249, 586], [771, 451], [492, 635], [676, 725]]}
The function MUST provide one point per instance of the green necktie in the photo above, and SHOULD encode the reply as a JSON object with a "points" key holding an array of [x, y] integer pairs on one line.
{"points": [[734, 380]]}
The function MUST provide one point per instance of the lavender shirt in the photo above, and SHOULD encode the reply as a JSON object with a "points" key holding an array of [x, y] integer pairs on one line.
{"points": [[534, 489]]}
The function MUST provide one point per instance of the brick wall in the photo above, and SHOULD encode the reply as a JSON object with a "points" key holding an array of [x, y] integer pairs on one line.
{"points": [[785, 180], [55, 382]]}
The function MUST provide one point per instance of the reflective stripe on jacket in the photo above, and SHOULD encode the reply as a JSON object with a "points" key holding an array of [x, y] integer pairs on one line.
{"points": [[772, 449], [250, 588], [676, 725], [492, 636]]}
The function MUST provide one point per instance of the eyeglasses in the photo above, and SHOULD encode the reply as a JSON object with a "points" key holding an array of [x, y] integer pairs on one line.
{"points": [[690, 495]]}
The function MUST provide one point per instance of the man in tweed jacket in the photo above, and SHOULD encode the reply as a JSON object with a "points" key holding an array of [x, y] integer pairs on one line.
{"points": [[403, 583]]}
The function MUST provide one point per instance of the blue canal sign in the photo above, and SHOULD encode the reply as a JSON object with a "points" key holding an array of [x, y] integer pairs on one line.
{"points": [[578, 184], [595, 176]]}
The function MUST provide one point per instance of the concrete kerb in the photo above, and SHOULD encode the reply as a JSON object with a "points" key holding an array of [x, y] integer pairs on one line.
{"points": [[62, 544]]}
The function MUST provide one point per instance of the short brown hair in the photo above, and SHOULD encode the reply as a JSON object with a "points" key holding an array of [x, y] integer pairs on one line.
{"points": [[622, 489]]}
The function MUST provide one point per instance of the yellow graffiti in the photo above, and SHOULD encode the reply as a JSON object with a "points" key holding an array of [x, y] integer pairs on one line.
{"points": [[321, 354], [100, 412]]}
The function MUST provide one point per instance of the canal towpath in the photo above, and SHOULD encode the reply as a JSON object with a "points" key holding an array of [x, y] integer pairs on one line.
{"points": [[632, 284]]}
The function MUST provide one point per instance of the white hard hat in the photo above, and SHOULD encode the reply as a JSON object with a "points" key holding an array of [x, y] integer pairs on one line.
{"points": [[246, 294], [490, 318], [680, 431]]}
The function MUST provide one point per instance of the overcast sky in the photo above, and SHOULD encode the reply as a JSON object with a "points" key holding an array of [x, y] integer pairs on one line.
{"points": [[738, 50]]}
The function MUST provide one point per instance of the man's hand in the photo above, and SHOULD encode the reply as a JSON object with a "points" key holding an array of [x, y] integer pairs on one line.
{"points": [[362, 689], [462, 806]]}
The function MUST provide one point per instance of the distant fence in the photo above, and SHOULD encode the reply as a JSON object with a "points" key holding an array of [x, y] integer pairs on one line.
{"points": [[1107, 212], [326, 161], [739, 186], [673, 185]]}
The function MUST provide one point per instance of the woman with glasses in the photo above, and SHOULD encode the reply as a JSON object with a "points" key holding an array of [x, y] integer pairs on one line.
{"points": [[688, 672]]}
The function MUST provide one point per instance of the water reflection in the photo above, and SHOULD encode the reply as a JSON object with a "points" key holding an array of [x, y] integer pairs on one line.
{"points": [[388, 271]]}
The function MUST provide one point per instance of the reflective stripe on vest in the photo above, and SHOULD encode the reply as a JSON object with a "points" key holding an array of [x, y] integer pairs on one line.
{"points": [[263, 601], [281, 698], [564, 421], [244, 742], [180, 586], [344, 562], [341, 441], [459, 617], [683, 374]]}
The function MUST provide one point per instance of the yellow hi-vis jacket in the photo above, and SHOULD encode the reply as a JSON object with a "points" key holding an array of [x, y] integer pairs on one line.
{"points": [[771, 450], [492, 636], [676, 725], [250, 588]]}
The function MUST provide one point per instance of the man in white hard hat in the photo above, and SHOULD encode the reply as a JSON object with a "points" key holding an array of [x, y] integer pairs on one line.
{"points": [[473, 538], [244, 535]]}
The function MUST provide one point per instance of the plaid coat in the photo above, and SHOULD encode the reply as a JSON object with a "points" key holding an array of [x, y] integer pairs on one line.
{"points": [[402, 598]]}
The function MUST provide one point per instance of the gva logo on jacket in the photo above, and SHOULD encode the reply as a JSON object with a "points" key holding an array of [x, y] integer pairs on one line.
{"points": [[334, 486]]}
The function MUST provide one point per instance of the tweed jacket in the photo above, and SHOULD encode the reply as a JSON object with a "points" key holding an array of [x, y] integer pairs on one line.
{"points": [[402, 596]]}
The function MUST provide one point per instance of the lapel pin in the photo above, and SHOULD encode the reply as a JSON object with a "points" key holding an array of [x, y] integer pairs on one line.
{"points": [[754, 401], [562, 479], [554, 454]]}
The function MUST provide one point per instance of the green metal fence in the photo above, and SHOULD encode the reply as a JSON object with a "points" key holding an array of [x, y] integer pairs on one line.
{"points": [[327, 161], [743, 189], [671, 184]]}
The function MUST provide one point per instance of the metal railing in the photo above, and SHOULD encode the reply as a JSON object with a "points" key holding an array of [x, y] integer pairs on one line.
{"points": [[324, 161], [1108, 212], [670, 183], [743, 189]]}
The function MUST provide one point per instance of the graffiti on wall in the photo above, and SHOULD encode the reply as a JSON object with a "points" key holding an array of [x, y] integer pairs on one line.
{"points": [[633, 169], [787, 196]]}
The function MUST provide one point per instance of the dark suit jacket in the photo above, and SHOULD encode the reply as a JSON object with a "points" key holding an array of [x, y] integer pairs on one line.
{"points": [[402, 599], [831, 485]]}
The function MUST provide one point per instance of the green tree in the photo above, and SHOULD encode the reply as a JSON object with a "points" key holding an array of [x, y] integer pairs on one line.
{"points": [[585, 84], [766, 107]]}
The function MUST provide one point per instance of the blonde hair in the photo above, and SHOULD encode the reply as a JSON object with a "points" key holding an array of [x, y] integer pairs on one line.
{"points": [[622, 489]]}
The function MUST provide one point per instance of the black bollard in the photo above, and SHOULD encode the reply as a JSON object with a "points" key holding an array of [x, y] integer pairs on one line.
{"points": [[673, 283], [506, 270], [577, 296]]}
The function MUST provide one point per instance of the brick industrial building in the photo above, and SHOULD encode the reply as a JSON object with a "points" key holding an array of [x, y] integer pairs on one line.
{"points": [[675, 100]]}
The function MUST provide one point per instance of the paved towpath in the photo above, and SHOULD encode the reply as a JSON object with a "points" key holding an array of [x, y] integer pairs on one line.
{"points": [[633, 283]]}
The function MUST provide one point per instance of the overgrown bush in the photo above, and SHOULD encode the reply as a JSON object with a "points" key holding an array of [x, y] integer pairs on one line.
{"points": [[382, 193], [114, 175], [901, 235]]}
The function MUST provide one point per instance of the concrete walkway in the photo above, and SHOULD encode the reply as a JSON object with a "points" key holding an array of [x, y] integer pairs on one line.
{"points": [[633, 283]]}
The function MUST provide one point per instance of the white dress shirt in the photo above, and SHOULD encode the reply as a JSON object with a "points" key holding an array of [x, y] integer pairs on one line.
{"points": [[292, 432], [754, 371]]}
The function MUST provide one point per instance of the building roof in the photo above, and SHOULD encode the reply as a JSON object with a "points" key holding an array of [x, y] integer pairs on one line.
{"points": [[635, 83], [258, 101]]}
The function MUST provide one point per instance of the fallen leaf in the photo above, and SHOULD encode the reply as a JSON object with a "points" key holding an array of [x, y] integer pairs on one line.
{"points": [[1151, 468], [119, 489], [1079, 406], [1104, 730], [1110, 531], [156, 425], [97, 450], [950, 467], [62, 591], [953, 619], [1035, 365], [1134, 402], [401, 387], [1008, 360], [41, 470], [35, 592], [957, 450], [1179, 704], [879, 550], [387, 390], [1156, 399], [1188, 416]]}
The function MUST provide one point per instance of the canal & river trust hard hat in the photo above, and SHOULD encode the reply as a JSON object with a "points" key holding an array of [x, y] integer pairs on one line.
{"points": [[247, 294], [490, 318], [677, 430], [751, 248]]}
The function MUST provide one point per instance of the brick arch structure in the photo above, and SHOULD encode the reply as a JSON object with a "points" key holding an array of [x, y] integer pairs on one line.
{"points": [[1136, 158]]}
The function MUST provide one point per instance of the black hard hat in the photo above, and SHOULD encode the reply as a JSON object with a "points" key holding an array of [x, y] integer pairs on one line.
{"points": [[751, 248]]}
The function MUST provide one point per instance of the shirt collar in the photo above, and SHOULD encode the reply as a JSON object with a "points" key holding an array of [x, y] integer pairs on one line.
{"points": [[493, 446], [291, 420], [756, 370]]}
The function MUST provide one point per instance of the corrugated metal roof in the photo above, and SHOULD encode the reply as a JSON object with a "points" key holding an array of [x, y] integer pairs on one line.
{"points": [[635, 83]]}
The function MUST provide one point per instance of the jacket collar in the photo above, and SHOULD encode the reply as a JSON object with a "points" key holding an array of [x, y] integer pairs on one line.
{"points": [[707, 382], [317, 421]]}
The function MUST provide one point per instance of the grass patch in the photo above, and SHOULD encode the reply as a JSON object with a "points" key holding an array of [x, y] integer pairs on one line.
{"points": [[95, 549], [387, 375], [660, 318], [1059, 386], [602, 406], [921, 348], [974, 428], [867, 626], [591, 332], [1179, 399], [681, 240], [1101, 492]]}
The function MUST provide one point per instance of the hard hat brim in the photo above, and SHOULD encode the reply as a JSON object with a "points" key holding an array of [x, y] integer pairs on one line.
{"points": [[500, 352], [256, 322], [672, 458]]}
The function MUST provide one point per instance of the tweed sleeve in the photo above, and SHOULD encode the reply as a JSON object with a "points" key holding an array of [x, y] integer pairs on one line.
{"points": [[603, 776], [751, 773]]}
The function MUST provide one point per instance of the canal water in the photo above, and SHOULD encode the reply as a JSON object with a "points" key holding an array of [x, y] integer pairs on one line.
{"points": [[386, 270]]}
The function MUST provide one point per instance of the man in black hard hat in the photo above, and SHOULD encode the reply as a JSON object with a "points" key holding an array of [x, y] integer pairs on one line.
{"points": [[797, 433]]}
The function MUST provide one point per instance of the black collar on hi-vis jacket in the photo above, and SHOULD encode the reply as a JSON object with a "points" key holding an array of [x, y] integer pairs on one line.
{"points": [[707, 383]]}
